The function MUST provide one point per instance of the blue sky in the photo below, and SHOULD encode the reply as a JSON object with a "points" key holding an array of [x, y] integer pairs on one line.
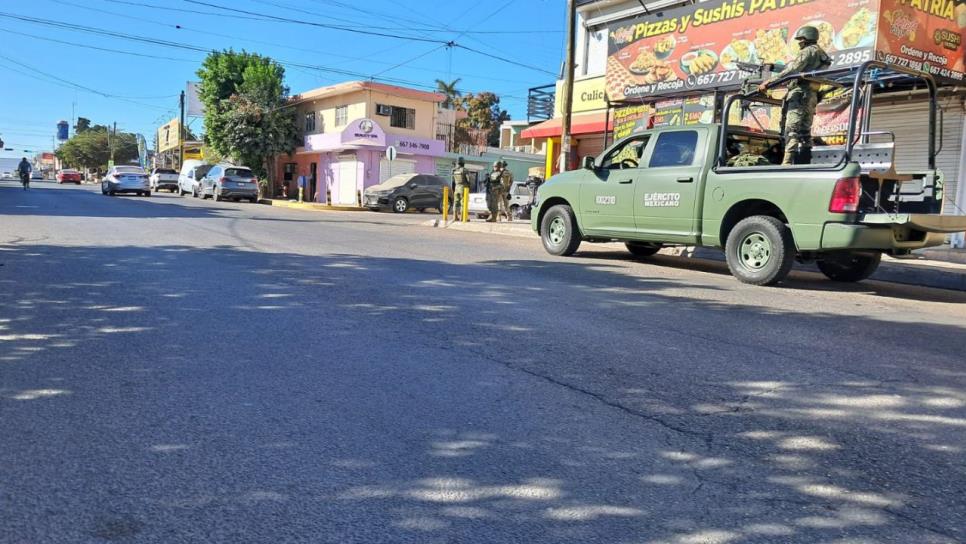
{"points": [[40, 76]]}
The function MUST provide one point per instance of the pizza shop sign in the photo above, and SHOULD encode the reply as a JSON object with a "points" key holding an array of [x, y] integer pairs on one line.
{"points": [[699, 47]]}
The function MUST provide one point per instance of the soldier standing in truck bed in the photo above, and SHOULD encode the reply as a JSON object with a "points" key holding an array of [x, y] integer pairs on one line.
{"points": [[802, 97]]}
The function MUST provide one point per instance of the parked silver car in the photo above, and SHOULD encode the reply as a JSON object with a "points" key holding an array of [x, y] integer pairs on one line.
{"points": [[126, 179], [229, 181], [520, 196]]}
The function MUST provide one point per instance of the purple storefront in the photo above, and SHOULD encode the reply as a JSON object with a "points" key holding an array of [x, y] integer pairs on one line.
{"points": [[344, 163]]}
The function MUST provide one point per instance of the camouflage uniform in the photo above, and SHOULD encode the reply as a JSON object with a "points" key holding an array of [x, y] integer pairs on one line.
{"points": [[802, 97], [506, 179], [461, 181], [748, 159], [494, 193]]}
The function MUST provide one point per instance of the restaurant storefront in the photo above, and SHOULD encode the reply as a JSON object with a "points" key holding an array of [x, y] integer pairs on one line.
{"points": [[676, 67], [338, 166]]}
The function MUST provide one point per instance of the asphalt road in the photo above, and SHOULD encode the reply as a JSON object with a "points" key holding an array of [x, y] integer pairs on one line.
{"points": [[173, 370]]}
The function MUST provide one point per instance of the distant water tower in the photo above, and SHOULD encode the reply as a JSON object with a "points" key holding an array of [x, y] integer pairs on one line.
{"points": [[62, 131]]}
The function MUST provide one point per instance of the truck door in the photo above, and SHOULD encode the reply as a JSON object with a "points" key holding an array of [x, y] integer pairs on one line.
{"points": [[607, 199], [666, 199]]}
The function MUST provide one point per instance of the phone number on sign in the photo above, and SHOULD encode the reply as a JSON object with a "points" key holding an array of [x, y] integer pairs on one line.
{"points": [[712, 79]]}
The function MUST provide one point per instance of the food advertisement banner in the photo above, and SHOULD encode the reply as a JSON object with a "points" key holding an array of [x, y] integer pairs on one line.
{"points": [[698, 47], [924, 35], [631, 120]]}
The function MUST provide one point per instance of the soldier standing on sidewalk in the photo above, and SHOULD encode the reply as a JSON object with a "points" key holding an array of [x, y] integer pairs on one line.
{"points": [[461, 180], [506, 177], [494, 192]]}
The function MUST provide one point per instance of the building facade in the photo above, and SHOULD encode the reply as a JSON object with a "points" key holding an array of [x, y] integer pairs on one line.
{"points": [[346, 129]]}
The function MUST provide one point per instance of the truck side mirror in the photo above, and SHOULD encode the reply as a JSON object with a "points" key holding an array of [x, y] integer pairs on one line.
{"points": [[590, 163]]}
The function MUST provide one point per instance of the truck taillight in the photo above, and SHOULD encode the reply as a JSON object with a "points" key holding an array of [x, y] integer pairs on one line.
{"points": [[845, 196]]}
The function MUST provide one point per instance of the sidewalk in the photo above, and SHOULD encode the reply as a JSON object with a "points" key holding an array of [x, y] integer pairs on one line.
{"points": [[279, 203], [937, 268]]}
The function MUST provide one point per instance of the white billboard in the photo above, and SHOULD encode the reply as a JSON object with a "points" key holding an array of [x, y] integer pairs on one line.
{"points": [[193, 105]]}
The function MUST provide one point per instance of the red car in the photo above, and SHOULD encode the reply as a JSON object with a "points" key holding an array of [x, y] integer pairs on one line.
{"points": [[69, 176]]}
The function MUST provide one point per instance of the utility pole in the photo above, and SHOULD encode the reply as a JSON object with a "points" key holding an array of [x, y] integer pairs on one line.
{"points": [[181, 133], [111, 141], [568, 86]]}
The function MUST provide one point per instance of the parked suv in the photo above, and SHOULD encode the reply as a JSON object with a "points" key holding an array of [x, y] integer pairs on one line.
{"points": [[229, 181], [164, 178], [404, 191], [191, 173]]}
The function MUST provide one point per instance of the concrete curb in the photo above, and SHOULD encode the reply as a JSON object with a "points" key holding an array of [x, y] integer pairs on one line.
{"points": [[309, 206], [921, 272]]}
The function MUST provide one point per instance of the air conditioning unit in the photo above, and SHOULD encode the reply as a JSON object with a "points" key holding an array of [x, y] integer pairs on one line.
{"points": [[382, 109]]}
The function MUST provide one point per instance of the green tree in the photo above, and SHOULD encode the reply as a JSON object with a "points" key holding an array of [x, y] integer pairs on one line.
{"points": [[83, 125], [246, 114], [452, 93], [484, 116], [92, 149]]}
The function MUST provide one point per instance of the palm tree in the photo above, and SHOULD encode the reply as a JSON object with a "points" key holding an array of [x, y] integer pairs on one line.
{"points": [[449, 89]]}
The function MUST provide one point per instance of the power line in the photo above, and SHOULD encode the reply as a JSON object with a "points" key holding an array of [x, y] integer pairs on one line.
{"points": [[75, 44]]}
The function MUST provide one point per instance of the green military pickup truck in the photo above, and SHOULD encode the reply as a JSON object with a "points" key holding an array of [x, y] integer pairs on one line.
{"points": [[673, 187]]}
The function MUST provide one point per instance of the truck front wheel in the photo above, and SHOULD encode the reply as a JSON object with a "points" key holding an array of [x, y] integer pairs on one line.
{"points": [[559, 232], [849, 267], [760, 250]]}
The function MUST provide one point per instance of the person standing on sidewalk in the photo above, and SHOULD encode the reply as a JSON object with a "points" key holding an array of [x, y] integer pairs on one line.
{"points": [[506, 177], [494, 193], [461, 181]]}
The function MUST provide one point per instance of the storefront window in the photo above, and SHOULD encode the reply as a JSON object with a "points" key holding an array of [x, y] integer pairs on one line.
{"points": [[342, 116]]}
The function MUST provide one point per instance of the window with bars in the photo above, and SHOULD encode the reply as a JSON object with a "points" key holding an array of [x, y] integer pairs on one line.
{"points": [[341, 116], [403, 118], [310, 122]]}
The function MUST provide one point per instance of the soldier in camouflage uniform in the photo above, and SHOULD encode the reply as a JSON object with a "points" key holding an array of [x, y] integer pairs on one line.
{"points": [[461, 180], [494, 192], [506, 178], [802, 97]]}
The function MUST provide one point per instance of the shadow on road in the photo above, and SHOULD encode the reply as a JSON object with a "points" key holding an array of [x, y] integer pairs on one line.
{"points": [[360, 399]]}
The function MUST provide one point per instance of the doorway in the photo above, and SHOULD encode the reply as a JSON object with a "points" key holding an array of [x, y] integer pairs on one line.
{"points": [[348, 170], [313, 181]]}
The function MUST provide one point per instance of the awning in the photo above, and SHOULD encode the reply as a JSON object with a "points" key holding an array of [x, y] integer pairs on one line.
{"points": [[590, 123]]}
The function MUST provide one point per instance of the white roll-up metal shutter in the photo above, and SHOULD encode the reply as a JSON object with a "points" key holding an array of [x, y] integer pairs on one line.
{"points": [[388, 169], [909, 121]]}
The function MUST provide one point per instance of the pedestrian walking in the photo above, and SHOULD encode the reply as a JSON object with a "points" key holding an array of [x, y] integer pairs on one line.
{"points": [[802, 98], [494, 192], [506, 177]]}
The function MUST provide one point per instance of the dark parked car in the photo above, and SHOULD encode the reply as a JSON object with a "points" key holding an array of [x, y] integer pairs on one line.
{"points": [[404, 191]]}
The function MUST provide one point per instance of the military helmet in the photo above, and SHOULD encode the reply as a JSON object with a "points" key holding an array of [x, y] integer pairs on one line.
{"points": [[497, 164], [460, 161], [807, 33]]}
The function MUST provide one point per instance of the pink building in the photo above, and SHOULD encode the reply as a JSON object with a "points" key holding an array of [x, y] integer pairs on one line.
{"points": [[346, 129]]}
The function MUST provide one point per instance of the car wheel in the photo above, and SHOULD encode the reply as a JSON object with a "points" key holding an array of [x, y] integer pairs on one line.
{"points": [[849, 267], [559, 232], [400, 204], [760, 250], [103, 191], [147, 193], [642, 249], [253, 200], [179, 191]]}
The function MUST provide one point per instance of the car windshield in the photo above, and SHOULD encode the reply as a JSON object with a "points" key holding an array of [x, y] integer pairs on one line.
{"points": [[128, 170], [239, 173]]}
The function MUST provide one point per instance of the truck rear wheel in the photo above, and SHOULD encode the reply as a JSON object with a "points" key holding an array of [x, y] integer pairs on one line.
{"points": [[760, 250], [559, 232], [849, 267], [642, 249]]}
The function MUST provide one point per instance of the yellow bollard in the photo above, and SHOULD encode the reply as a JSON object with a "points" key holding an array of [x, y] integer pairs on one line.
{"points": [[465, 215], [445, 204], [301, 190]]}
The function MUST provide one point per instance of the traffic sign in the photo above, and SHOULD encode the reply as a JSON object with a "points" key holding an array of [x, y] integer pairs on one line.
{"points": [[391, 153]]}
